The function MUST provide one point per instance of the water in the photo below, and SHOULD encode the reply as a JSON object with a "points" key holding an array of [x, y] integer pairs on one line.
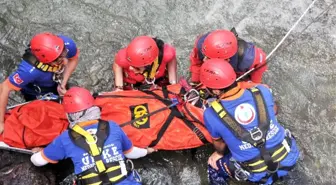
{"points": [[301, 73]]}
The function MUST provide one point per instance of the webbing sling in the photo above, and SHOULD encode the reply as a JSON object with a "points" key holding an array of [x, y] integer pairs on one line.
{"points": [[94, 145], [29, 57], [256, 137], [174, 113]]}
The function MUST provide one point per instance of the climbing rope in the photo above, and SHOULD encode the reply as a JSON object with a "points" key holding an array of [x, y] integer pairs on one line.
{"points": [[282, 40]]}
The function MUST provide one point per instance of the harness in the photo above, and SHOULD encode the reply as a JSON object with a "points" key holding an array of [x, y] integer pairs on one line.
{"points": [[269, 159], [175, 113], [242, 48], [57, 70], [29, 57], [150, 71], [100, 174]]}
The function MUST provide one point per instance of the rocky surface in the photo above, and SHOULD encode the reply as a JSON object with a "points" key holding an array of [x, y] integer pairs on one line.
{"points": [[301, 73]]}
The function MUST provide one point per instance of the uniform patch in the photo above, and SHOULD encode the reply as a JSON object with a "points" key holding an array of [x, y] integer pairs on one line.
{"points": [[138, 111], [17, 79], [245, 113]]}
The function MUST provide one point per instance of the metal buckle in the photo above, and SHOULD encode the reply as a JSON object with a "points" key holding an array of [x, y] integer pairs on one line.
{"points": [[240, 173], [94, 142], [288, 133], [150, 82], [256, 134], [192, 92], [57, 79], [131, 163], [37, 89]]}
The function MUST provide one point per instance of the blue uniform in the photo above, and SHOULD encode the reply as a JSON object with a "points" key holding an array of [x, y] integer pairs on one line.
{"points": [[243, 110], [115, 145], [27, 76]]}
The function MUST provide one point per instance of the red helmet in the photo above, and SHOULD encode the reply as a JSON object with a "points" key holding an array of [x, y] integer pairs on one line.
{"points": [[46, 47], [142, 51], [220, 44], [77, 99], [217, 74]]}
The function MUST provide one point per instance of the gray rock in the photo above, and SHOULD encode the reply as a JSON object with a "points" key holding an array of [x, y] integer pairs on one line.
{"points": [[301, 73]]}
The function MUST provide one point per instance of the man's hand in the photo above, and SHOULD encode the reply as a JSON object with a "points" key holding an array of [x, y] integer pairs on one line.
{"points": [[61, 89], [37, 149], [2, 126], [213, 159], [151, 150]]}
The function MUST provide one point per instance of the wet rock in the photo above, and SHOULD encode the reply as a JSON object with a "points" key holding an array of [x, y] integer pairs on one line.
{"points": [[15, 169], [301, 73]]}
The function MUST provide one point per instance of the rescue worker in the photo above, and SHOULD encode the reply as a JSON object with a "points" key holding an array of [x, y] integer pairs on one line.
{"points": [[226, 45], [145, 61], [97, 148], [261, 150], [46, 67]]}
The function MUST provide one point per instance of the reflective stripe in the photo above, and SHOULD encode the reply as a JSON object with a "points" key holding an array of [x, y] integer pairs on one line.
{"points": [[256, 163], [278, 151], [260, 169], [89, 176]]}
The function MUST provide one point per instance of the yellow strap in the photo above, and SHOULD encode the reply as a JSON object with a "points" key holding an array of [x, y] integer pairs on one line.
{"points": [[113, 179], [90, 175], [254, 89], [46, 67], [256, 163], [218, 108], [260, 170], [278, 151], [155, 67], [92, 144], [97, 183]]}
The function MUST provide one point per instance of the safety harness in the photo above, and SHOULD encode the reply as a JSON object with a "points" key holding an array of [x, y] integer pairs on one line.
{"points": [[29, 57], [269, 159], [100, 174], [57, 70], [150, 70], [174, 113]]}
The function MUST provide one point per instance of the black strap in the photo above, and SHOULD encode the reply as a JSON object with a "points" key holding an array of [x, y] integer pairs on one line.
{"points": [[275, 176], [165, 91], [257, 136], [194, 119], [174, 113], [242, 46], [239, 131], [103, 132], [162, 130], [104, 177], [29, 57]]}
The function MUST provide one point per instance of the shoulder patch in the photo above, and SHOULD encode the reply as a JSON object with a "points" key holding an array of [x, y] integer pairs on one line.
{"points": [[17, 79], [245, 113]]}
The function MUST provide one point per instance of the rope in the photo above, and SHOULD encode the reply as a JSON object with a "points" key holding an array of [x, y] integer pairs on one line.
{"points": [[282, 40]]}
